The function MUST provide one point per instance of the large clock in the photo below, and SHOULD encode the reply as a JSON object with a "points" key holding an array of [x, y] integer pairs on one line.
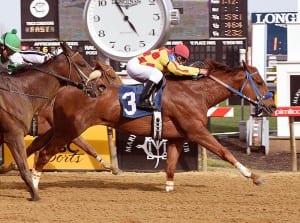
{"points": [[122, 29]]}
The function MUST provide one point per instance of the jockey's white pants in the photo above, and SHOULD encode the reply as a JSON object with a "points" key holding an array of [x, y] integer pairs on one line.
{"points": [[142, 73]]}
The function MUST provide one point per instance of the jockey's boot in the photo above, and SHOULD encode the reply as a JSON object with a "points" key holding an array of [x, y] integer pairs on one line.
{"points": [[145, 102]]}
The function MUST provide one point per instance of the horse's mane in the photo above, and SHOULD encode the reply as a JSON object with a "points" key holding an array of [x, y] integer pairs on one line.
{"points": [[214, 65], [106, 68]]}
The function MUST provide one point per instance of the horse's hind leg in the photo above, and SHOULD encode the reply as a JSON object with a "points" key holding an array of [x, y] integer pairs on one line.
{"points": [[17, 148], [39, 142], [80, 142], [173, 151]]}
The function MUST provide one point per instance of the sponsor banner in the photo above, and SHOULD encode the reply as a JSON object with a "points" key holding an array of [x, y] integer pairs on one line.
{"points": [[85, 48], [39, 19], [274, 17], [137, 153], [72, 157], [287, 111]]}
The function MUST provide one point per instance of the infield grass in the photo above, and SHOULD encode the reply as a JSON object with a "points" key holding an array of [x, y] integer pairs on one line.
{"points": [[231, 124]]}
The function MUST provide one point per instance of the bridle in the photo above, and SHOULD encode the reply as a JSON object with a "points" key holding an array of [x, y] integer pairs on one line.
{"points": [[259, 96], [81, 85], [258, 103]]}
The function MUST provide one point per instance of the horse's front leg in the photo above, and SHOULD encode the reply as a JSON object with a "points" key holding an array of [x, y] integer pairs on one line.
{"points": [[51, 148], [173, 151], [209, 142], [16, 145], [80, 142]]}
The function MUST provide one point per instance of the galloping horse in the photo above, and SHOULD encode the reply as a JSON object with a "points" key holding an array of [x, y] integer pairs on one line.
{"points": [[45, 121], [185, 103], [24, 93]]}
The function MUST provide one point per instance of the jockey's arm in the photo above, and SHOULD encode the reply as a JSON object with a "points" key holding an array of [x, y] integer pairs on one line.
{"points": [[174, 67], [15, 60], [35, 57]]}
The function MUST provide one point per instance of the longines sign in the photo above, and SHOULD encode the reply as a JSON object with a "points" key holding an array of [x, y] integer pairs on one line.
{"points": [[274, 17]]}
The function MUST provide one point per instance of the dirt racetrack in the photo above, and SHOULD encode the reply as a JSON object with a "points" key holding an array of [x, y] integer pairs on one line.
{"points": [[219, 195]]}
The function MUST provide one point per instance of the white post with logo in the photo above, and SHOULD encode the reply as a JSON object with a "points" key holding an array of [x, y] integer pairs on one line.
{"points": [[258, 127], [288, 71]]}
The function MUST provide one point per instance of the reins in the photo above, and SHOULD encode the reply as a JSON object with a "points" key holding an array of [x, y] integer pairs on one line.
{"points": [[68, 80], [241, 94], [25, 94]]}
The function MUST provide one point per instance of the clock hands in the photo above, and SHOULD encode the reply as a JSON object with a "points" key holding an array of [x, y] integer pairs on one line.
{"points": [[126, 18]]}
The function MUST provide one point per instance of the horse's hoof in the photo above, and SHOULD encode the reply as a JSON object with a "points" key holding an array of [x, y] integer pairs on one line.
{"points": [[34, 198], [116, 171], [257, 180], [169, 186]]}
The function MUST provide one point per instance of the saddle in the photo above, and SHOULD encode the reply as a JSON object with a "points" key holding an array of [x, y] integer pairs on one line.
{"points": [[129, 96]]}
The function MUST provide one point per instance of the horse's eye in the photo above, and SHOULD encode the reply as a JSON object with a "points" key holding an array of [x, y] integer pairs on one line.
{"points": [[81, 63], [260, 83]]}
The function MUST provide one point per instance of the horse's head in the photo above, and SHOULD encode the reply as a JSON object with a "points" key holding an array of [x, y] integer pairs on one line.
{"points": [[72, 66], [255, 88], [244, 81], [102, 75]]}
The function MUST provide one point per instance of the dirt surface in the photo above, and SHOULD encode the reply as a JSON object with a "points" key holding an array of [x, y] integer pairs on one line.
{"points": [[274, 161], [219, 195]]}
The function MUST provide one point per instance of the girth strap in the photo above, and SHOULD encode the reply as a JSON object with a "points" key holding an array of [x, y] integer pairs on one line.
{"points": [[157, 125]]}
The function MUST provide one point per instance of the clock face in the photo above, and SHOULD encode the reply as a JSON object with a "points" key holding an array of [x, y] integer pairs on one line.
{"points": [[124, 29]]}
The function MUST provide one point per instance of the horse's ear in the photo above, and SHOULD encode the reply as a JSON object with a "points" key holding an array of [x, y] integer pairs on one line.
{"points": [[65, 47], [245, 66]]}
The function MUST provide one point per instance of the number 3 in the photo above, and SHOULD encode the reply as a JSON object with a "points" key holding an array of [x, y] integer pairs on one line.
{"points": [[129, 97]]}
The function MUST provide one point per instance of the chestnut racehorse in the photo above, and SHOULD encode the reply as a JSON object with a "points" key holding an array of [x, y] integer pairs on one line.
{"points": [[45, 121], [25, 92], [185, 103]]}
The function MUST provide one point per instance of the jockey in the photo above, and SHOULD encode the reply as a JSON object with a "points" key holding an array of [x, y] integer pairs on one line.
{"points": [[149, 67], [12, 56]]}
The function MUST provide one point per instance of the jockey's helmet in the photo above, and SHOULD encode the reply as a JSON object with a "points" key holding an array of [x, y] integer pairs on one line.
{"points": [[182, 50], [11, 40]]}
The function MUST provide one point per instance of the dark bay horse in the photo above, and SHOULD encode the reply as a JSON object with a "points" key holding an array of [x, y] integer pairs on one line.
{"points": [[45, 120], [185, 103], [24, 93]]}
